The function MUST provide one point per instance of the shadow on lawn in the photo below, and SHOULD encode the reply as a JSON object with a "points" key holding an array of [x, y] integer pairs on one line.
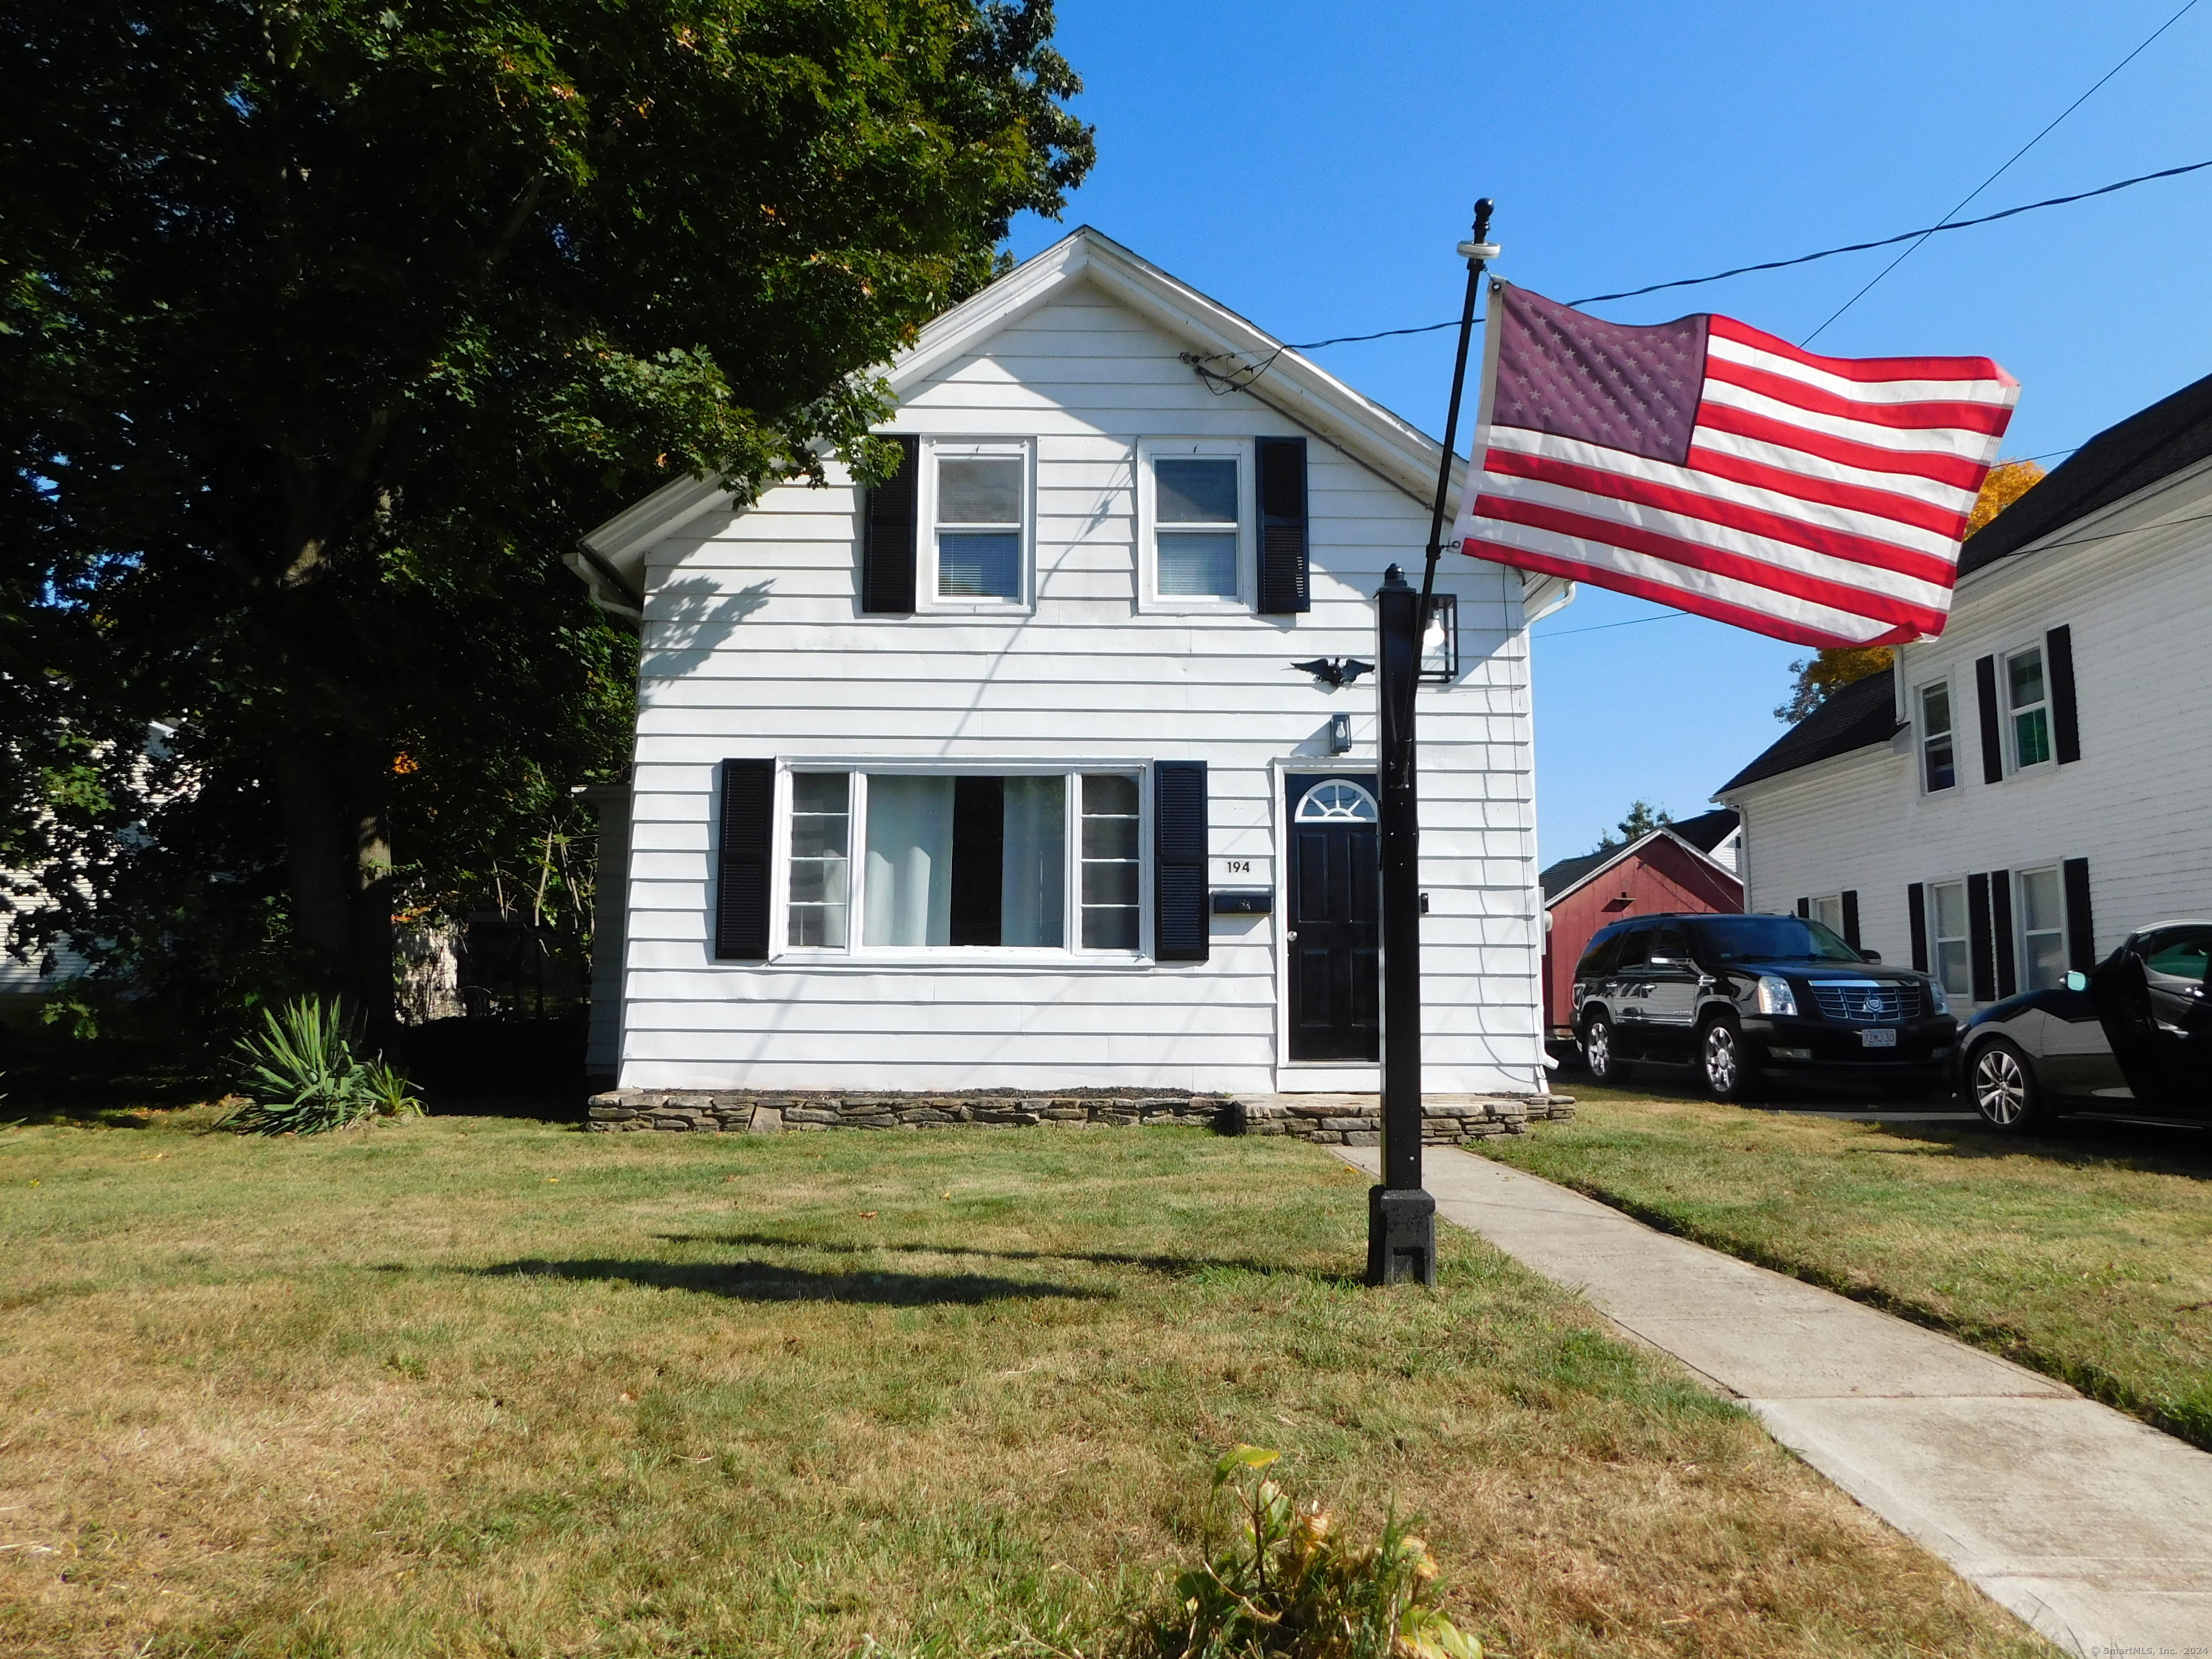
{"points": [[762, 1281], [1178, 1266]]}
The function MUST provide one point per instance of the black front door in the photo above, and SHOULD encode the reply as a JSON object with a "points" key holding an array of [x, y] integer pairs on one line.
{"points": [[1334, 924]]}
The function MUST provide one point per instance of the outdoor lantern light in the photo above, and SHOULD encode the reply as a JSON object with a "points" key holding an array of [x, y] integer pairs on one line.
{"points": [[1339, 734], [1440, 642]]}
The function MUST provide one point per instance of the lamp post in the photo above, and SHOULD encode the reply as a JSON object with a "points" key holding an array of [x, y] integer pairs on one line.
{"points": [[1402, 1216]]}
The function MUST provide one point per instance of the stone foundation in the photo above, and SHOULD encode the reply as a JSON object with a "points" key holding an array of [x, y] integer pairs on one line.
{"points": [[1338, 1120]]}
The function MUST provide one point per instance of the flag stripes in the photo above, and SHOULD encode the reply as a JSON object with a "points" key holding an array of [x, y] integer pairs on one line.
{"points": [[1821, 500]]}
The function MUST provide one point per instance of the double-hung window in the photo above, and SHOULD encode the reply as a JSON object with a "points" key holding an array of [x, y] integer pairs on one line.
{"points": [[1194, 522], [1829, 913], [2042, 929], [2028, 708], [1939, 768], [903, 862], [1948, 923], [977, 502]]}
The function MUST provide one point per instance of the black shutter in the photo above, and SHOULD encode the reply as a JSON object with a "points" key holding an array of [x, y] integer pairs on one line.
{"points": [[1852, 917], [741, 861], [1283, 582], [1805, 907], [887, 536], [1179, 874], [1915, 907], [1985, 690], [1978, 945], [2001, 930], [2080, 929], [2065, 725]]}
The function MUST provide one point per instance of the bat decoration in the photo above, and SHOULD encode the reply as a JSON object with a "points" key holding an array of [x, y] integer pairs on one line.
{"points": [[1335, 672]]}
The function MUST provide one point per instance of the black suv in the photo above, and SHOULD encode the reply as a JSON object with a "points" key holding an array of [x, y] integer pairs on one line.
{"points": [[1737, 996]]}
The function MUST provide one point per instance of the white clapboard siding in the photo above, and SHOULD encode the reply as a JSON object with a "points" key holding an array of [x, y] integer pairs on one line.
{"points": [[752, 647], [2134, 584]]}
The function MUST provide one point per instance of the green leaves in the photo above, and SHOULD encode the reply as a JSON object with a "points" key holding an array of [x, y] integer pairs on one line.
{"points": [[1240, 1457], [303, 1078]]}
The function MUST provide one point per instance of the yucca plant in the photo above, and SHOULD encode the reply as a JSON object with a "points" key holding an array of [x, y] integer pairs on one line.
{"points": [[303, 1078], [1289, 1585]]}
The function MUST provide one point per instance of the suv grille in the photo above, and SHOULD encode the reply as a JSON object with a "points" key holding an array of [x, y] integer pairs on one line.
{"points": [[1868, 1001]]}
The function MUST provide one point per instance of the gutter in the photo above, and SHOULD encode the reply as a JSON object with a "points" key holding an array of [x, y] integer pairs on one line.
{"points": [[628, 605]]}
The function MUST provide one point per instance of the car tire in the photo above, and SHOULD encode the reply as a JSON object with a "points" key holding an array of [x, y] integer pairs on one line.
{"points": [[1604, 1064], [1725, 1063], [2001, 1079]]}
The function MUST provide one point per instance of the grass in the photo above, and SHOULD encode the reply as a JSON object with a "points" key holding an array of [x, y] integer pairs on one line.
{"points": [[2088, 1257], [486, 1387]]}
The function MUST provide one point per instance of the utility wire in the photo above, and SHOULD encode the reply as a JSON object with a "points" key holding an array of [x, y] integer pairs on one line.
{"points": [[1238, 379], [2188, 6]]}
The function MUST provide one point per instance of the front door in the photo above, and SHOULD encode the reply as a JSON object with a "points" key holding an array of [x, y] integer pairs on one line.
{"points": [[1333, 928]]}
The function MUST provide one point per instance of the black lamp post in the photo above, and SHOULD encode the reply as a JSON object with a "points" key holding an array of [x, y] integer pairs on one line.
{"points": [[1402, 1216]]}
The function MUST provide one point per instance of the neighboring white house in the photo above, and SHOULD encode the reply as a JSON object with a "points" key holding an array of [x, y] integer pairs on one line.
{"points": [[2018, 796], [1004, 773]]}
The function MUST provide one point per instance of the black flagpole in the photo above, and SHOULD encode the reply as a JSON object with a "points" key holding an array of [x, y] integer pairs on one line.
{"points": [[1402, 1216]]}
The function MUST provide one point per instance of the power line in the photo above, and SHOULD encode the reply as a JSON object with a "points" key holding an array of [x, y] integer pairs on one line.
{"points": [[2186, 8]]}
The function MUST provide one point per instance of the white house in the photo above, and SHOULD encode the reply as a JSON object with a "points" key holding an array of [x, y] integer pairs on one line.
{"points": [[2018, 796], [1004, 774]]}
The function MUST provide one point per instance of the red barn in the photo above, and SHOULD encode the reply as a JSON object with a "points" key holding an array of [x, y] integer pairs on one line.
{"points": [[1689, 865]]}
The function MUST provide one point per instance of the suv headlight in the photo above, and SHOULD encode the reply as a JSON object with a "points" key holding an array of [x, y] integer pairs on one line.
{"points": [[1938, 998], [1775, 996]]}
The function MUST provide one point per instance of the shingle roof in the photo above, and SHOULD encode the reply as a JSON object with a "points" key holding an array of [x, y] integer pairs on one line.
{"points": [[2150, 445], [1567, 871], [1862, 713], [1707, 829]]}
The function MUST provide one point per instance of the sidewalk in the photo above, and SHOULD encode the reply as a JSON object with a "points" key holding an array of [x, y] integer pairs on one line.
{"points": [[2094, 1528]]}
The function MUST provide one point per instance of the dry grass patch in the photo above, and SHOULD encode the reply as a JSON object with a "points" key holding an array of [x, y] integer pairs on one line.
{"points": [[478, 1388], [2088, 1257]]}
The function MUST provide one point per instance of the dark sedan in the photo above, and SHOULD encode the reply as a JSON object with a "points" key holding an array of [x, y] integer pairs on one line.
{"points": [[2132, 1038]]}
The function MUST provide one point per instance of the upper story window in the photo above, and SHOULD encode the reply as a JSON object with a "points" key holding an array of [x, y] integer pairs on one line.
{"points": [[2027, 707], [1939, 767], [1195, 524], [978, 510]]}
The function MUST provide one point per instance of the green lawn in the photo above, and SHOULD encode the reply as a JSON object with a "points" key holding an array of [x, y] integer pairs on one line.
{"points": [[2087, 1256], [486, 1387]]}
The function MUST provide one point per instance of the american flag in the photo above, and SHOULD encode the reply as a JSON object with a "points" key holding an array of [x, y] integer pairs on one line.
{"points": [[1717, 469]]}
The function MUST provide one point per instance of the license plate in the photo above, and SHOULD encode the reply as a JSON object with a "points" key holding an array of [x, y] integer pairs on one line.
{"points": [[1878, 1039]]}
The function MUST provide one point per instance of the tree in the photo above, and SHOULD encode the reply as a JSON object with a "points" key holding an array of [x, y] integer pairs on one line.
{"points": [[326, 326], [1642, 819], [1820, 676]]}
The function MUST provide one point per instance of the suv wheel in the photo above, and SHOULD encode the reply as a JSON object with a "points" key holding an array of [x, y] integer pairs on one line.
{"points": [[1727, 1066], [2005, 1090], [1605, 1067]]}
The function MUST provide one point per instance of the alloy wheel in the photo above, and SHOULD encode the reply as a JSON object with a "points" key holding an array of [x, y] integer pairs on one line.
{"points": [[2000, 1087], [1597, 1048], [1723, 1065]]}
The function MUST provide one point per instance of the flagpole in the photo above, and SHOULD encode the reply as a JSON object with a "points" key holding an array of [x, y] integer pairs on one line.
{"points": [[1402, 1225]]}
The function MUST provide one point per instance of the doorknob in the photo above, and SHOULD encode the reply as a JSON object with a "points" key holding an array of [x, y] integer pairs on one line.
{"points": [[1290, 933]]}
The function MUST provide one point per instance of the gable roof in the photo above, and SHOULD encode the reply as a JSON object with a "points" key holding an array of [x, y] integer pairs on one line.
{"points": [[2150, 445], [1863, 714], [613, 555], [1707, 829], [1568, 874]]}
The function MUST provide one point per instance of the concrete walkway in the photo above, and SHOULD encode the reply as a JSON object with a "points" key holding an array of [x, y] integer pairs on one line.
{"points": [[2093, 1528]]}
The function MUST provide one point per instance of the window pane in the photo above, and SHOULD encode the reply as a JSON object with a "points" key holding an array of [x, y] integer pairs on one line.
{"points": [[821, 791], [818, 835], [1106, 792], [910, 862], [1107, 883], [1950, 967], [1829, 913], [817, 881], [2178, 955], [820, 877], [1942, 771], [1033, 894], [820, 927], [1195, 491], [2040, 902], [2031, 736], [1950, 909], [2046, 961], [1106, 928], [1197, 565], [979, 491], [1935, 709], [979, 566], [2025, 675], [1109, 838]]}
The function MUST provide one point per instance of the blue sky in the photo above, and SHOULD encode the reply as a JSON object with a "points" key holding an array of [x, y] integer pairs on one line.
{"points": [[1312, 165]]}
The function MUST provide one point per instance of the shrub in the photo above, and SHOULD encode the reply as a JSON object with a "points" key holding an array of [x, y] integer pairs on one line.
{"points": [[303, 1078], [1288, 1586]]}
